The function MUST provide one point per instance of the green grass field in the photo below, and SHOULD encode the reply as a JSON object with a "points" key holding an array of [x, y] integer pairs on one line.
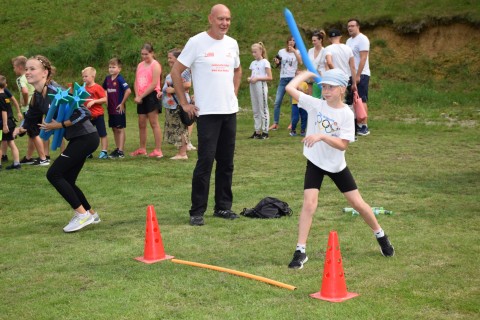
{"points": [[422, 161]]}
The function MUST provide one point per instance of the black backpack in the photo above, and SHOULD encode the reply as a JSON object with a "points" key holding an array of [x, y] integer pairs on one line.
{"points": [[268, 208]]}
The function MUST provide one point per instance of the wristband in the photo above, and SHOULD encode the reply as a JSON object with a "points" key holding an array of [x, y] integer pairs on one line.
{"points": [[63, 125]]}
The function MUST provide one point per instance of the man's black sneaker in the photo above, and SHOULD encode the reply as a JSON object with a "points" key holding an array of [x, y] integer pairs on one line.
{"points": [[196, 221], [225, 214], [13, 166], [114, 153], [27, 161], [120, 154], [39, 162], [386, 247], [255, 135], [263, 136], [298, 260], [4, 158]]}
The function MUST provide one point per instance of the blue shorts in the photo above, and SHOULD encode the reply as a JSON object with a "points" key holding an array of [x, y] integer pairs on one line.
{"points": [[362, 87], [149, 103], [99, 123], [314, 178], [117, 121]]}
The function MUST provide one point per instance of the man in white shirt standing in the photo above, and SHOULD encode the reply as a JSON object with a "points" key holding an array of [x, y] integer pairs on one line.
{"points": [[216, 72], [360, 46]]}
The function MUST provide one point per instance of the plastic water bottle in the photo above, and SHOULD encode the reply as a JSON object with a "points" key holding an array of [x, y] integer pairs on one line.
{"points": [[377, 211]]}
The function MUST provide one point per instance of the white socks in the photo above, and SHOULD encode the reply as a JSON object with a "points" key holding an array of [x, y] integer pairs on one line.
{"points": [[301, 247], [379, 233]]}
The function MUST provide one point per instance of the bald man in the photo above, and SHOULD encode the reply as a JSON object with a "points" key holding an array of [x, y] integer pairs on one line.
{"points": [[215, 63]]}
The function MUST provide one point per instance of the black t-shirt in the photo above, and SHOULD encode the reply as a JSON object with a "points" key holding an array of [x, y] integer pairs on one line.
{"points": [[5, 105]]}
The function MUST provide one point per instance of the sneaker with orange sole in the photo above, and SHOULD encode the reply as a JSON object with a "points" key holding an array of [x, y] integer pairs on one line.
{"points": [[139, 152], [156, 153]]}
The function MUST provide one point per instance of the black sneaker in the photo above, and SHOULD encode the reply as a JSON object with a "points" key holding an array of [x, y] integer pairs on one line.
{"points": [[225, 214], [120, 154], [298, 260], [263, 136], [4, 158], [386, 247], [90, 156], [13, 166], [114, 153], [196, 221], [27, 161], [255, 135], [39, 162]]}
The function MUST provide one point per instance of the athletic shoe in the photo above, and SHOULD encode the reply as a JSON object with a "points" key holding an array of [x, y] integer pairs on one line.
{"points": [[363, 131], [190, 147], [120, 154], [293, 133], [156, 153], [103, 155], [255, 135], [302, 133], [386, 247], [96, 218], [13, 166], [114, 153], [4, 158], [299, 259], [225, 214], [39, 162], [197, 221], [273, 127], [27, 161], [139, 152], [264, 136], [90, 156], [78, 222]]}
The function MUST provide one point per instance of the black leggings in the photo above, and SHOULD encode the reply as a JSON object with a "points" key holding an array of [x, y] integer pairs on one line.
{"points": [[64, 171]]}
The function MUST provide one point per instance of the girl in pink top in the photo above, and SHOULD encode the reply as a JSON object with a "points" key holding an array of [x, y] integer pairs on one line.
{"points": [[147, 85]]}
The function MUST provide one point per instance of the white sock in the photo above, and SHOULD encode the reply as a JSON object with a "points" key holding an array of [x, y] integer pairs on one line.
{"points": [[301, 247], [379, 233]]}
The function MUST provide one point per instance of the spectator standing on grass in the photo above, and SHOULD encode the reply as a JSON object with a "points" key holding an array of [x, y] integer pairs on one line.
{"points": [[330, 129], [94, 104], [261, 73], [7, 124], [214, 60], [79, 131], [317, 56], [146, 87], [176, 132], [299, 114], [360, 46], [117, 91], [288, 59]]}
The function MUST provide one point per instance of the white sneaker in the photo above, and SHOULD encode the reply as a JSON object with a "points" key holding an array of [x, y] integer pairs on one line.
{"points": [[78, 222], [190, 147], [96, 218]]}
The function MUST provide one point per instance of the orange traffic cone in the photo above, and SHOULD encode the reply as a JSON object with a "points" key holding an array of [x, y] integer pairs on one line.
{"points": [[334, 287], [153, 251]]}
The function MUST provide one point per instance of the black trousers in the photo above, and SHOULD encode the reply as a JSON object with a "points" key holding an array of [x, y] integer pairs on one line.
{"points": [[63, 173], [216, 142]]}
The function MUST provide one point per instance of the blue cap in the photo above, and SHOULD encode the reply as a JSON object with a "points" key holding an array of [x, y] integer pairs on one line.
{"points": [[335, 77]]}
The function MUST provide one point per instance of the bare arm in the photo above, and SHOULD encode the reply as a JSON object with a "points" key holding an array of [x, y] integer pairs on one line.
{"points": [[292, 86], [329, 62], [361, 65], [351, 62], [176, 74], [17, 106], [237, 78]]}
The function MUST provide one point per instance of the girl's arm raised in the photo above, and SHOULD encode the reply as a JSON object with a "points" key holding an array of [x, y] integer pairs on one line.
{"points": [[292, 86]]}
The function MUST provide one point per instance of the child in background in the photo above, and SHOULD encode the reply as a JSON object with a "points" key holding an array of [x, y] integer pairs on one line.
{"points": [[330, 129], [261, 73], [8, 124], [299, 113], [117, 91], [94, 104]]}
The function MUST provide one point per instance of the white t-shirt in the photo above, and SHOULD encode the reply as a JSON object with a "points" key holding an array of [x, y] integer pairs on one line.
{"points": [[341, 55], [212, 63], [258, 68], [315, 60], [289, 63], [360, 43], [330, 121]]}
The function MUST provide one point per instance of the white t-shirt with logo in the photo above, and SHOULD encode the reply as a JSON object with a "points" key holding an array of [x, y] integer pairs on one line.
{"points": [[212, 63], [330, 121], [360, 43], [289, 63], [341, 54], [259, 67]]}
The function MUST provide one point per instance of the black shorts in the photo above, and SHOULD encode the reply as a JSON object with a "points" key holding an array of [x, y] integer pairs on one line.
{"points": [[99, 123], [149, 103], [314, 178], [117, 121], [11, 126]]}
